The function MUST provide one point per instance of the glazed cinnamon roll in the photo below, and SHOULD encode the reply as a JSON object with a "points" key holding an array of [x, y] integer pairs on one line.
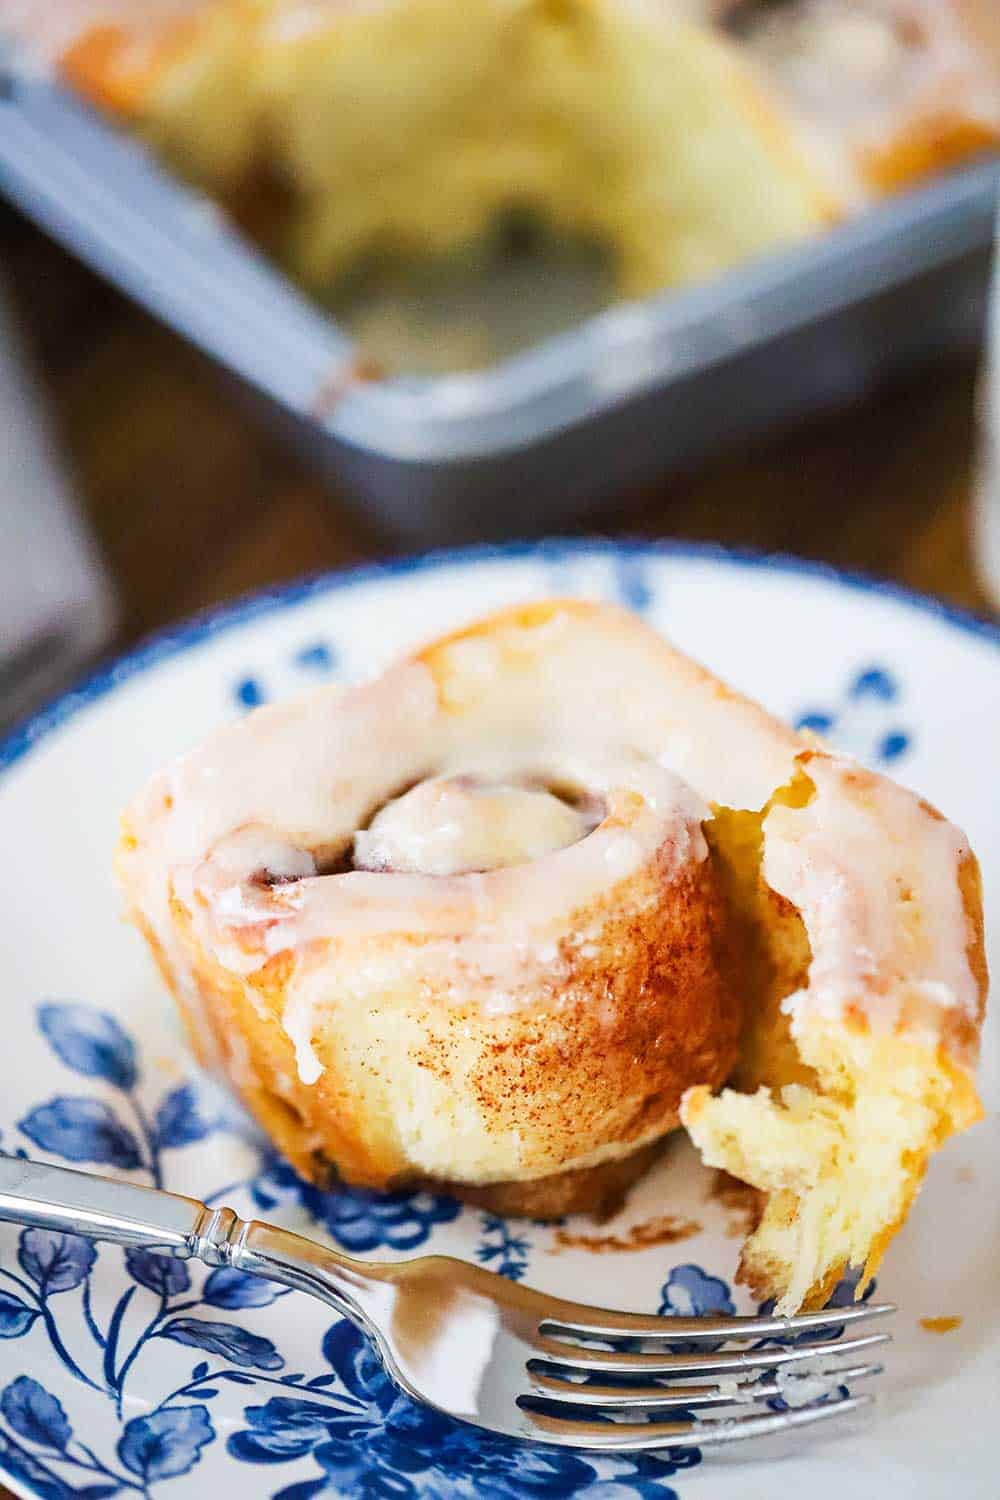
{"points": [[679, 136], [499, 917], [437, 928], [892, 90]]}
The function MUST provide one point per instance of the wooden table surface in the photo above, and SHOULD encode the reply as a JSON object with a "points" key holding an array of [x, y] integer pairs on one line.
{"points": [[194, 501]]}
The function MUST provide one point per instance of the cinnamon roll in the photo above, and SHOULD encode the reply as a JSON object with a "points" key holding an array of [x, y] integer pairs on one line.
{"points": [[678, 136], [438, 929], [500, 917], [896, 89]]}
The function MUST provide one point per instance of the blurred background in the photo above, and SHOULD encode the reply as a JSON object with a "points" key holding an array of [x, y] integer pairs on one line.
{"points": [[824, 395]]}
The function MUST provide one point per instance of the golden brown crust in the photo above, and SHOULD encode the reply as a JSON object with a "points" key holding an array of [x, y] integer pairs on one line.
{"points": [[597, 1191], [511, 629], [927, 147], [970, 882], [118, 67]]}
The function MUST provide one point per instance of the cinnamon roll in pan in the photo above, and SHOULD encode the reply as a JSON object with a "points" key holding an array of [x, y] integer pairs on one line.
{"points": [[500, 917], [351, 135]]}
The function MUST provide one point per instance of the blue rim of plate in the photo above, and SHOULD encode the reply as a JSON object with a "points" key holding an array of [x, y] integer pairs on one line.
{"points": [[173, 641]]}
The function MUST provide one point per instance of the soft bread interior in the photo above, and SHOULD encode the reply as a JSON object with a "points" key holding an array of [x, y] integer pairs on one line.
{"points": [[834, 1125]]}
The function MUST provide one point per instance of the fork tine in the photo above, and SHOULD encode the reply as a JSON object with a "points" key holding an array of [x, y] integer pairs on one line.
{"points": [[620, 1362], [599, 1323], [671, 1398], [637, 1437]]}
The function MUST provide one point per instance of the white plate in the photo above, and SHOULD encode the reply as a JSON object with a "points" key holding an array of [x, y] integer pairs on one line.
{"points": [[137, 1375]]}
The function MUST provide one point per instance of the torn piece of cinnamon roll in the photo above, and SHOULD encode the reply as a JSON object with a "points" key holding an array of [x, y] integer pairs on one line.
{"points": [[496, 918]]}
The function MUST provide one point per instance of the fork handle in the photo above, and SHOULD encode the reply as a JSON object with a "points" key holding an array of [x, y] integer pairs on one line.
{"points": [[56, 1198]]}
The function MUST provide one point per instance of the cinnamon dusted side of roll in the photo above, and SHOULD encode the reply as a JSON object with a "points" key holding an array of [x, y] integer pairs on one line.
{"points": [[542, 1105]]}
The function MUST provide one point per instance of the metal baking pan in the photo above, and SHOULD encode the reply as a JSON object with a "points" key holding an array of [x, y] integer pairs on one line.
{"points": [[556, 431]]}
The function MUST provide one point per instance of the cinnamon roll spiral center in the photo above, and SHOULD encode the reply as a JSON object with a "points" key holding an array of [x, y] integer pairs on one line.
{"points": [[461, 824]]}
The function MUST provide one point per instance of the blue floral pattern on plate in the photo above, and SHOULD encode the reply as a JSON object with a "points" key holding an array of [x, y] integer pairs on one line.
{"points": [[865, 723], [502, 1248], [357, 1219], [369, 1439], [93, 1131], [308, 664], [361, 1433]]}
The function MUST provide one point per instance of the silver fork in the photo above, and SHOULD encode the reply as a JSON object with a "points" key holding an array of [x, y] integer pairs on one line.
{"points": [[484, 1349]]}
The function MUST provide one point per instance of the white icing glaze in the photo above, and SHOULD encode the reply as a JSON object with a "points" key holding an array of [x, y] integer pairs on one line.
{"points": [[874, 875], [505, 903], [453, 825], [307, 995]]}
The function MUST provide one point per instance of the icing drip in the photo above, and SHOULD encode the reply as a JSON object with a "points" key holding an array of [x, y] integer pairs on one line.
{"points": [[874, 875]]}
